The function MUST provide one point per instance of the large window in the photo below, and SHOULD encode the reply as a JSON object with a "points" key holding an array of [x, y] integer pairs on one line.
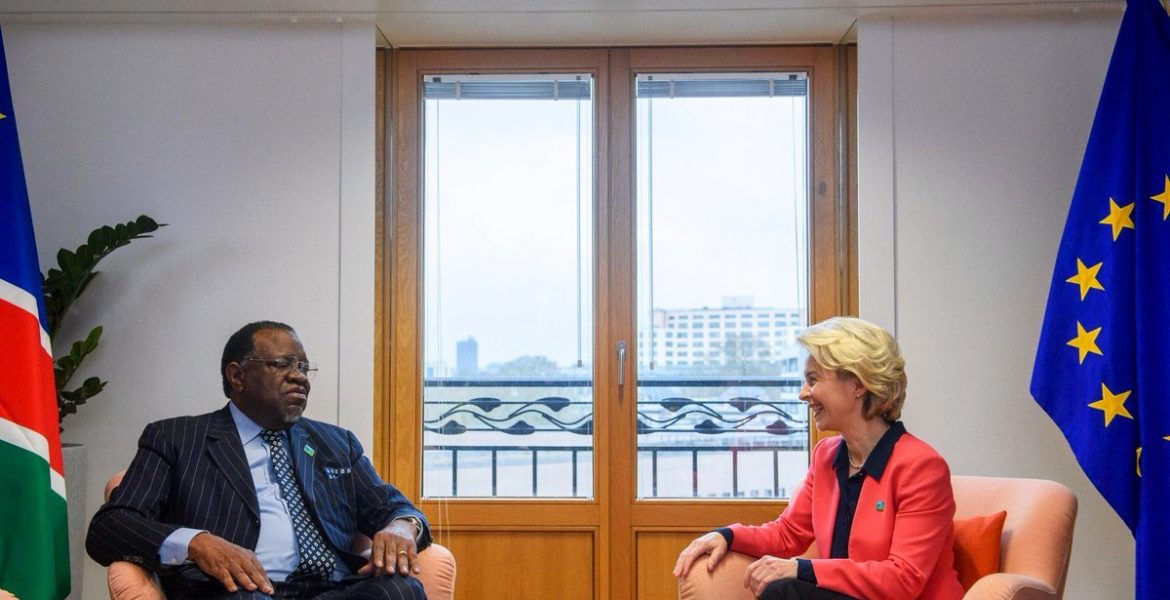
{"points": [[508, 300], [597, 262], [722, 172]]}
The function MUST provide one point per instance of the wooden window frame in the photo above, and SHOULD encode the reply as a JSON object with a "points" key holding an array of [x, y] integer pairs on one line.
{"points": [[832, 249]]}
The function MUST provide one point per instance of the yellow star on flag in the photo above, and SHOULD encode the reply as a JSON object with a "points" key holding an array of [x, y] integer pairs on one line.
{"points": [[1120, 217], [1085, 342], [2, 115], [1086, 277], [1164, 197], [1139, 457], [1112, 404]]}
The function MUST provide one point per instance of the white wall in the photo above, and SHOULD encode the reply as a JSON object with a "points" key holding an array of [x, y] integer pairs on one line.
{"points": [[971, 136], [256, 145]]}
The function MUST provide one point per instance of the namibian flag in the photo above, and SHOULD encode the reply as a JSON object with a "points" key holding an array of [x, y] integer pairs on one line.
{"points": [[34, 546]]}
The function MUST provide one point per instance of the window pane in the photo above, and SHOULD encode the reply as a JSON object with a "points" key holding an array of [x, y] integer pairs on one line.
{"points": [[508, 377], [722, 256]]}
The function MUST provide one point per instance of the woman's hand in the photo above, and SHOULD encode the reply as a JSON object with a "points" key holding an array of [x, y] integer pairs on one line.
{"points": [[766, 570], [711, 543]]}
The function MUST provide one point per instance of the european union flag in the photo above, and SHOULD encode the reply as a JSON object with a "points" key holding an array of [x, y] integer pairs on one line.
{"points": [[1103, 366]]}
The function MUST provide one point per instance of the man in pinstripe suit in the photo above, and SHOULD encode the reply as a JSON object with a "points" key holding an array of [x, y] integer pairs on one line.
{"points": [[253, 501]]}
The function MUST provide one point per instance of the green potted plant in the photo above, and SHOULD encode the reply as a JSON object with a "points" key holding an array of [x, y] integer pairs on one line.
{"points": [[63, 285]]}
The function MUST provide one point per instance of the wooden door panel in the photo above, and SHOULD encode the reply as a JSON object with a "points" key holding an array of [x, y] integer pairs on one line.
{"points": [[656, 554], [523, 565]]}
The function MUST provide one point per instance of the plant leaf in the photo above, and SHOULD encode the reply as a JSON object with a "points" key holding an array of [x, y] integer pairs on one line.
{"points": [[68, 262], [63, 285], [91, 341]]}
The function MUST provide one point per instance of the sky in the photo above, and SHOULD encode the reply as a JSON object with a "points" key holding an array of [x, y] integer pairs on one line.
{"points": [[508, 249]]}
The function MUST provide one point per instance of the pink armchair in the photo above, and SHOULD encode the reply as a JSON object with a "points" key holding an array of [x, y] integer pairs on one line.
{"points": [[129, 581], [1034, 546]]}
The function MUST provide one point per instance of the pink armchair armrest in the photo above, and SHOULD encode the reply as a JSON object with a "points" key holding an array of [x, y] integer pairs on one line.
{"points": [[724, 582]]}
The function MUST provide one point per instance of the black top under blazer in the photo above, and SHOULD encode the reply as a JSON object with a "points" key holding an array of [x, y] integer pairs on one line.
{"points": [[192, 472]]}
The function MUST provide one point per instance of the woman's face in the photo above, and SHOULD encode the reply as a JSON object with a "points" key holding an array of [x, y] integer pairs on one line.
{"points": [[834, 401]]}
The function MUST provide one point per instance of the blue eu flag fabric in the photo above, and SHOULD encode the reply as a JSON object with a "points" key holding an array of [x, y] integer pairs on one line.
{"points": [[1102, 369]]}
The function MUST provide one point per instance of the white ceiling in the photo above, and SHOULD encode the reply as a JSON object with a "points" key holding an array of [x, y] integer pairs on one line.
{"points": [[467, 23]]}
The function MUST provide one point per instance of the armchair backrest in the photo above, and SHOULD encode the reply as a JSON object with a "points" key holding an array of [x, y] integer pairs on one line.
{"points": [[1037, 534]]}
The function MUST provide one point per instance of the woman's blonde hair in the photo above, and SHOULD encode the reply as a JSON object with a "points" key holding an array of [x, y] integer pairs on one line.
{"points": [[848, 345]]}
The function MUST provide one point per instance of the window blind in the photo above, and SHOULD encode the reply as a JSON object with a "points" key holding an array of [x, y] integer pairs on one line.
{"points": [[750, 85], [508, 87], [575, 86]]}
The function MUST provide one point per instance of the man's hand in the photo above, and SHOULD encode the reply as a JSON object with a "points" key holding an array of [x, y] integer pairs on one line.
{"points": [[766, 570], [233, 566], [393, 550]]}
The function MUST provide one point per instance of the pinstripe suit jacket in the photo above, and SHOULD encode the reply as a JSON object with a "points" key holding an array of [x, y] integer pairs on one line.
{"points": [[192, 472]]}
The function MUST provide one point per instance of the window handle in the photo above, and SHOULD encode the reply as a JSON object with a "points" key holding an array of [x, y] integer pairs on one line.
{"points": [[621, 357]]}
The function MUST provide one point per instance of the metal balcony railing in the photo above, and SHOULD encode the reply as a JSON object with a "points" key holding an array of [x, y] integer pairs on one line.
{"points": [[481, 421]]}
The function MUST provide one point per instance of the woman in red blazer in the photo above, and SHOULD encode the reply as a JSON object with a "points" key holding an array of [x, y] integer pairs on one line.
{"points": [[876, 500]]}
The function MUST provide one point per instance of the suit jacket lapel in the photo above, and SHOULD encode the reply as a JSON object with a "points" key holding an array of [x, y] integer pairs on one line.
{"points": [[226, 451], [303, 452]]}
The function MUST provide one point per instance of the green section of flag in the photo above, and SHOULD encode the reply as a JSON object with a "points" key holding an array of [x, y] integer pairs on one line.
{"points": [[34, 540]]}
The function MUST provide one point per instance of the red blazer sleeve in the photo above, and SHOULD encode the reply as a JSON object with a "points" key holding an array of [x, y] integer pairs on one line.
{"points": [[923, 506], [792, 533]]}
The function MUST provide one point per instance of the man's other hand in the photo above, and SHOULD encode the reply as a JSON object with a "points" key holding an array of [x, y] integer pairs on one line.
{"points": [[233, 566], [393, 550]]}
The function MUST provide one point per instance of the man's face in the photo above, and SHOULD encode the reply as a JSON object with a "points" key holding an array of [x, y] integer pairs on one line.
{"points": [[272, 397]]}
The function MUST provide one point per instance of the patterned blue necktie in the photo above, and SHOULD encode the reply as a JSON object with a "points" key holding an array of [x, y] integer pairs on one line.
{"points": [[316, 557]]}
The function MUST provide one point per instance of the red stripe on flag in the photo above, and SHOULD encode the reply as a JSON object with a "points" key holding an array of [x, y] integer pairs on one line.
{"points": [[28, 393]]}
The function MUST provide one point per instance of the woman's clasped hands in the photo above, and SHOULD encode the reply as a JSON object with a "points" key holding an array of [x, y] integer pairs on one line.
{"points": [[766, 570]]}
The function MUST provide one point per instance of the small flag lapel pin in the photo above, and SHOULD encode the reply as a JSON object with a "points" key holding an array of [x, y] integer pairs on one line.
{"points": [[881, 505], [309, 450]]}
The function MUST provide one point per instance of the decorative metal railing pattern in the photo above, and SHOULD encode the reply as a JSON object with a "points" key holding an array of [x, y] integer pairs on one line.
{"points": [[476, 419]]}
